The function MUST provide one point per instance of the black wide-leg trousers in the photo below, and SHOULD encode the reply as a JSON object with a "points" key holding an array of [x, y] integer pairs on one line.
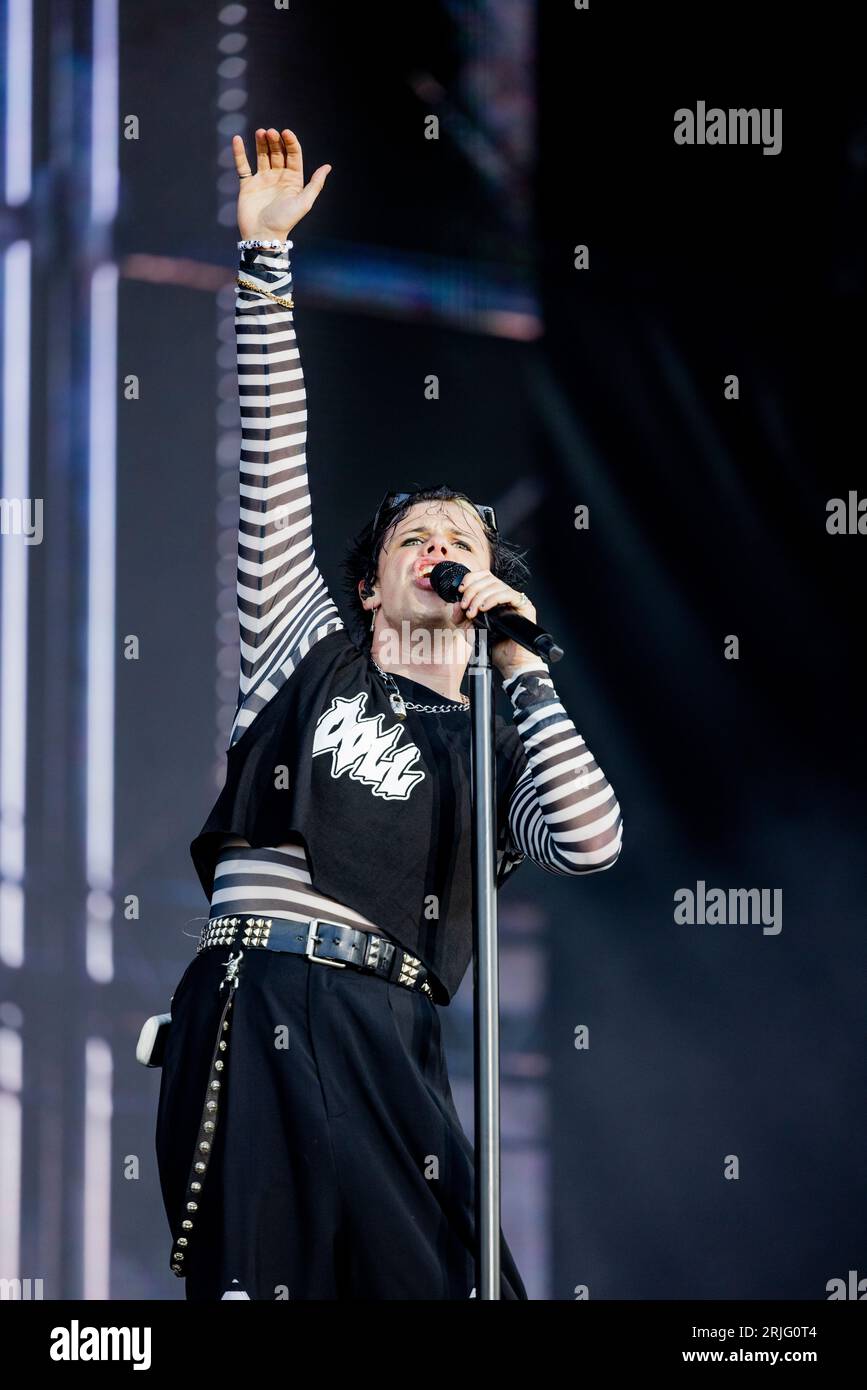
{"points": [[337, 1166]]}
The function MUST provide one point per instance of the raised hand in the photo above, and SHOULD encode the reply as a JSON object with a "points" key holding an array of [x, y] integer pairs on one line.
{"points": [[274, 199]]}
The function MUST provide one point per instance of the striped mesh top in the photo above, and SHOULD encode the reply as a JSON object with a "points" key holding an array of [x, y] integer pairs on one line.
{"points": [[563, 814]]}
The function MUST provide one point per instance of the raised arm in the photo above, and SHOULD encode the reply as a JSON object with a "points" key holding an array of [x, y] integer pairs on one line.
{"points": [[284, 605]]}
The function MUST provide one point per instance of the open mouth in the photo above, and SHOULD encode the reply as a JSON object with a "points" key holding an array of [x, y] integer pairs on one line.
{"points": [[422, 576]]}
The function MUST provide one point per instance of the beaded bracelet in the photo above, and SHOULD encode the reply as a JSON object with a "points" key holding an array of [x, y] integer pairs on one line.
{"points": [[252, 243]]}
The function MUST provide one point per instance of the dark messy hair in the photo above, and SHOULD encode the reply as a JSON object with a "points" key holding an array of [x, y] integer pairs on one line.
{"points": [[362, 558]]}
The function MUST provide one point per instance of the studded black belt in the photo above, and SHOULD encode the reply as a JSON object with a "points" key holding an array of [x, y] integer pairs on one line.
{"points": [[324, 943]]}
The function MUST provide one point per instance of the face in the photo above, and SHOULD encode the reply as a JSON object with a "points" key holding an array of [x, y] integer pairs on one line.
{"points": [[428, 533]]}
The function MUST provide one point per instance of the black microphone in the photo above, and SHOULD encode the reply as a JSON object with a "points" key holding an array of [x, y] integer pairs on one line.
{"points": [[445, 579]]}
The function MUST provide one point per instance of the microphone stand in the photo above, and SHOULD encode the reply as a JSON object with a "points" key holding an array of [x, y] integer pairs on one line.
{"points": [[486, 962], [486, 979]]}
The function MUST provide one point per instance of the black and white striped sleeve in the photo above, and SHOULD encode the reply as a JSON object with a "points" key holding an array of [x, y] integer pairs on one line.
{"points": [[284, 605], [563, 814]]}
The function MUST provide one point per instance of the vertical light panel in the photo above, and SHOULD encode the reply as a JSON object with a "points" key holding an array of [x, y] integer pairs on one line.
{"points": [[97, 1169], [11, 1071], [102, 488], [18, 75], [101, 649], [232, 100], [104, 172], [14, 550]]}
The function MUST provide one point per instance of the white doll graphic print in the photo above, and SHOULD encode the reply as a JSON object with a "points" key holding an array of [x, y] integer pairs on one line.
{"points": [[359, 745]]}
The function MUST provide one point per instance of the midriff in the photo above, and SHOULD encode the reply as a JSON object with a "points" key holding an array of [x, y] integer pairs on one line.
{"points": [[275, 882]]}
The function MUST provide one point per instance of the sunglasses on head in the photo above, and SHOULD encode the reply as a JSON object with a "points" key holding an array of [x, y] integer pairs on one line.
{"points": [[392, 500]]}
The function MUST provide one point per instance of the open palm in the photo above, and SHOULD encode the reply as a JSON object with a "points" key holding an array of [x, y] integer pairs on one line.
{"points": [[274, 199]]}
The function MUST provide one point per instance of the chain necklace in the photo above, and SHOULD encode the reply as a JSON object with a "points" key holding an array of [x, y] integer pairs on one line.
{"points": [[400, 706]]}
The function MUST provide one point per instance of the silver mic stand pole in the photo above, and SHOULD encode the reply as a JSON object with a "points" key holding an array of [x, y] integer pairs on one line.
{"points": [[486, 979]]}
